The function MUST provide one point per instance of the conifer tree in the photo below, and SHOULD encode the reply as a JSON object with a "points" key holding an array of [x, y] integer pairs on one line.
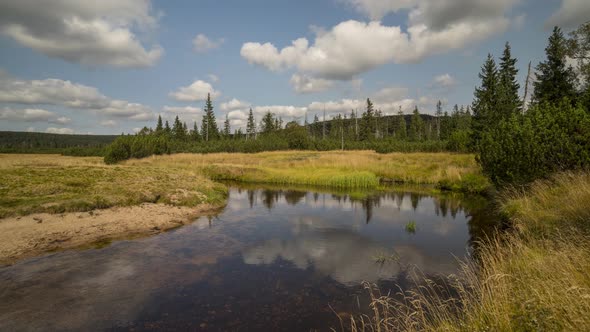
{"points": [[167, 129], [401, 128], [486, 100], [438, 114], [555, 78], [367, 130], [416, 126], [209, 125], [226, 127], [159, 126], [268, 123], [508, 100], [250, 126]]}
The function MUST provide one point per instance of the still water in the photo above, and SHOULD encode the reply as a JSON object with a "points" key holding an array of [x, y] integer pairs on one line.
{"points": [[272, 260]]}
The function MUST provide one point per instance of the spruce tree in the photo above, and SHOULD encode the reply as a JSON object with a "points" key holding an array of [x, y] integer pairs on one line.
{"points": [[508, 99], [367, 129], [486, 101], [209, 125], [250, 126], [556, 80], [167, 129], [268, 123], [226, 127], [416, 126], [401, 128], [159, 126], [439, 113]]}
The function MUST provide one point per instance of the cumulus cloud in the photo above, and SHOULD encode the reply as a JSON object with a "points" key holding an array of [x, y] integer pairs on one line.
{"points": [[32, 115], [234, 104], [284, 111], [85, 32], [197, 91], [63, 131], [307, 84], [183, 110], [443, 81], [570, 14], [72, 95], [352, 47], [202, 43]]}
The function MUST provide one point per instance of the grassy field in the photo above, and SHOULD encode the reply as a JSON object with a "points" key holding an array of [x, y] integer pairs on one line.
{"points": [[57, 184], [339, 169], [537, 278]]}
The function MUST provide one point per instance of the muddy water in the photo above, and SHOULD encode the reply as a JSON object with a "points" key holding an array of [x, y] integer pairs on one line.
{"points": [[272, 260]]}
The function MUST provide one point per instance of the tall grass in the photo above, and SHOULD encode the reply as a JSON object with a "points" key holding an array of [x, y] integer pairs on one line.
{"points": [[340, 169], [536, 278]]}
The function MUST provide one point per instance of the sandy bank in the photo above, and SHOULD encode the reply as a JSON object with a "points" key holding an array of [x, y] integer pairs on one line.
{"points": [[31, 235]]}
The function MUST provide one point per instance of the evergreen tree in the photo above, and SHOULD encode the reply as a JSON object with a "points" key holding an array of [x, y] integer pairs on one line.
{"points": [[159, 126], [555, 78], [486, 101], [439, 113], [508, 99], [367, 129], [195, 133], [416, 126], [226, 127], [250, 126], [167, 129], [268, 123], [401, 128], [209, 129]]}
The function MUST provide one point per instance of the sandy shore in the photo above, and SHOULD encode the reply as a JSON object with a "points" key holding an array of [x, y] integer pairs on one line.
{"points": [[35, 234]]}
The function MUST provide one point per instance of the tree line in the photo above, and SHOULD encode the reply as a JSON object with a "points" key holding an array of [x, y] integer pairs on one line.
{"points": [[516, 138]]}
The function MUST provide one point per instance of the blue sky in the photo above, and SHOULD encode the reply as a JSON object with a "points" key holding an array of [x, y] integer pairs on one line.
{"points": [[74, 66]]}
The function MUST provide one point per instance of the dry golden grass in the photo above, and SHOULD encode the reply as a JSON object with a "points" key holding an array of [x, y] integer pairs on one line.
{"points": [[363, 168], [57, 184], [534, 279]]}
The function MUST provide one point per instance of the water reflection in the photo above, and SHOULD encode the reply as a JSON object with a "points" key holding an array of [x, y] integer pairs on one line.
{"points": [[274, 259]]}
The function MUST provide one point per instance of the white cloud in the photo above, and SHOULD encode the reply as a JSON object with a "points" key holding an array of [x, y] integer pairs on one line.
{"points": [[284, 111], [202, 43], [32, 115], [197, 91], [31, 129], [237, 115], [352, 47], [444, 81], [376, 9], [183, 110], [53, 130], [72, 95], [85, 32], [214, 78], [570, 14], [305, 84], [108, 123], [234, 104], [390, 94]]}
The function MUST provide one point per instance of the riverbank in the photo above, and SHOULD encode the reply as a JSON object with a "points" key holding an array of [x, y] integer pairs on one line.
{"points": [[51, 202], [534, 278]]}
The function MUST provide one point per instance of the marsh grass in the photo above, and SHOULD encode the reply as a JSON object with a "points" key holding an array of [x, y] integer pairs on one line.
{"points": [[536, 278], [57, 184], [340, 169], [411, 227]]}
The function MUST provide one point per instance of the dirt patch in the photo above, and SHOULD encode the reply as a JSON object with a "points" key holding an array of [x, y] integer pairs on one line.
{"points": [[31, 235]]}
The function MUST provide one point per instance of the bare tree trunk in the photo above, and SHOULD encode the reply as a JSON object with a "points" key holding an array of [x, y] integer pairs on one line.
{"points": [[526, 88]]}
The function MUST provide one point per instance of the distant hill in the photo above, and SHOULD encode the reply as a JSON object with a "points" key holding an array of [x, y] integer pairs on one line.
{"points": [[18, 141]]}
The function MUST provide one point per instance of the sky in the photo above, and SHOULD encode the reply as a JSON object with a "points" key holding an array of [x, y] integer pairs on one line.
{"points": [[113, 66]]}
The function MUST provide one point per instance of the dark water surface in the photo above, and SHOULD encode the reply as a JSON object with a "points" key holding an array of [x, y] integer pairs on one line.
{"points": [[272, 260]]}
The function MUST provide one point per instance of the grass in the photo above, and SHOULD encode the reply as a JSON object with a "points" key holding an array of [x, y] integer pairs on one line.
{"points": [[535, 278], [58, 184], [339, 169], [411, 227]]}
